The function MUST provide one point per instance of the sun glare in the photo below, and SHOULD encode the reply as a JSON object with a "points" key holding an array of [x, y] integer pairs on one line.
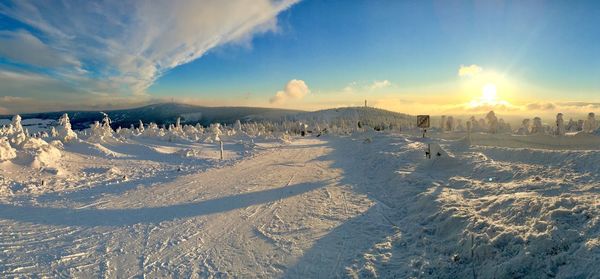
{"points": [[488, 98], [489, 93]]}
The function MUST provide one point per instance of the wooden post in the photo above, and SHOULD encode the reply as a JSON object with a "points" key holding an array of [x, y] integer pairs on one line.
{"points": [[221, 144]]}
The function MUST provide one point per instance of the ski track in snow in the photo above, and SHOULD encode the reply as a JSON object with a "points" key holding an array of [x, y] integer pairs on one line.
{"points": [[324, 208]]}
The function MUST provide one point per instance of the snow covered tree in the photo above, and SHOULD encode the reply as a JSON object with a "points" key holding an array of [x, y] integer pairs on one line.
{"points": [[443, 123], [101, 132], [537, 127], [560, 125], [571, 126], [525, 127], [6, 151], [492, 122], [450, 123], [16, 124], [590, 124], [65, 133], [469, 130], [237, 126]]}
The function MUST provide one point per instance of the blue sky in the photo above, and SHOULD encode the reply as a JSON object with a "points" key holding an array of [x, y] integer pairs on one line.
{"points": [[400, 55]]}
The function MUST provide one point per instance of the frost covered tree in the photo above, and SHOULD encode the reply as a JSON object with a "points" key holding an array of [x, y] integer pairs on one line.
{"points": [[450, 124], [53, 133], [560, 125], [215, 133], [469, 130], [16, 124], [101, 132], [237, 126], [65, 133], [492, 122], [443, 123], [571, 126], [590, 124], [537, 127], [503, 127], [15, 132], [6, 151], [525, 127]]}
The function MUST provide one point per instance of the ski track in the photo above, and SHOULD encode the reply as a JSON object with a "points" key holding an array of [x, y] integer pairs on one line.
{"points": [[249, 240]]}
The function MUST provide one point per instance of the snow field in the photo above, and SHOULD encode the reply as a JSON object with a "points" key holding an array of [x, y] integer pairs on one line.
{"points": [[157, 202]]}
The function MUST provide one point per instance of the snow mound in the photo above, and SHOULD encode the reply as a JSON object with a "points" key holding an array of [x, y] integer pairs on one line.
{"points": [[6, 151], [44, 154], [189, 153]]}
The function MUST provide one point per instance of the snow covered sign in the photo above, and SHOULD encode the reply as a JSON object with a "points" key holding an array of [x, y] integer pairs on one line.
{"points": [[423, 121]]}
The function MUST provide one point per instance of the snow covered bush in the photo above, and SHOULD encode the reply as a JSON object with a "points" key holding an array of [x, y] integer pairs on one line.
{"points": [[43, 154], [6, 151], [101, 132], [153, 131]]}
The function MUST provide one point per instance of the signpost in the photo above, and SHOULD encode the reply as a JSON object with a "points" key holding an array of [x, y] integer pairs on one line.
{"points": [[423, 123]]}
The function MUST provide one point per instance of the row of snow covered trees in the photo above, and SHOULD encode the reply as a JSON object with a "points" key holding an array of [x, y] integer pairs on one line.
{"points": [[589, 125], [492, 124], [14, 137]]}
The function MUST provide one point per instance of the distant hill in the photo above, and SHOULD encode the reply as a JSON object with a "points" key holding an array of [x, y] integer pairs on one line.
{"points": [[167, 113], [373, 117]]}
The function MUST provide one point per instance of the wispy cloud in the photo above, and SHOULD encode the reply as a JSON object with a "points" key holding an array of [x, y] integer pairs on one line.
{"points": [[469, 71], [378, 84], [123, 47], [582, 105], [354, 87], [294, 89], [540, 106]]}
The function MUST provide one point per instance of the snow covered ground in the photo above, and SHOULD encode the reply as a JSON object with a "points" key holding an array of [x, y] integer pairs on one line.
{"points": [[362, 205]]}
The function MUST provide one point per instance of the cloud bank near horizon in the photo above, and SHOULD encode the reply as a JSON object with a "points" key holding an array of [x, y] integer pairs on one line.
{"points": [[116, 48]]}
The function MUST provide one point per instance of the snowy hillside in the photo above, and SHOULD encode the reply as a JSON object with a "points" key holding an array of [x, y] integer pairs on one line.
{"points": [[367, 116], [167, 113], [343, 201]]}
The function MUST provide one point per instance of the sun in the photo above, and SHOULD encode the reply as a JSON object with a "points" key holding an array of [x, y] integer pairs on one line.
{"points": [[488, 98], [489, 93]]}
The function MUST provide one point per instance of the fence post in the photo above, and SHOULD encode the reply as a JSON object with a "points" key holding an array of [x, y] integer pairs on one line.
{"points": [[221, 144]]}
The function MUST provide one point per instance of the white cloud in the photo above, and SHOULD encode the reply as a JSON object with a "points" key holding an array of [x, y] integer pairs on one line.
{"points": [[469, 71], [356, 87], [125, 46], [378, 84], [294, 89], [21, 46]]}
